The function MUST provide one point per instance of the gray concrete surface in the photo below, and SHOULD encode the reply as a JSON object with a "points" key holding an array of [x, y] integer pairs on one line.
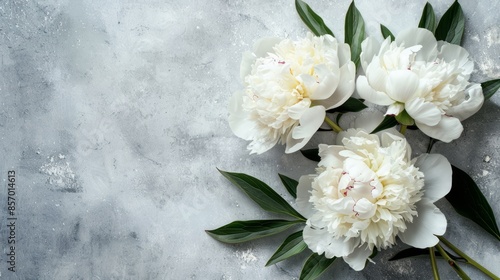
{"points": [[113, 116]]}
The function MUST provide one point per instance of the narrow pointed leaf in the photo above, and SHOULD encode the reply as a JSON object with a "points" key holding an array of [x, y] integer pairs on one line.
{"points": [[314, 266], [311, 19], [416, 252], [312, 154], [290, 185], [388, 122], [293, 245], [428, 19], [451, 26], [386, 32], [490, 88], [242, 231], [467, 199], [351, 105], [354, 31], [262, 194]]}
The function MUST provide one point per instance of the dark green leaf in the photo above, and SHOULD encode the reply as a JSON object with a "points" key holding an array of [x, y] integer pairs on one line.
{"points": [[415, 252], [351, 105], [404, 118], [290, 185], [388, 122], [354, 31], [451, 26], [311, 19], [241, 231], [262, 194], [315, 266], [428, 19], [312, 154], [467, 199], [490, 88], [386, 32], [293, 245]]}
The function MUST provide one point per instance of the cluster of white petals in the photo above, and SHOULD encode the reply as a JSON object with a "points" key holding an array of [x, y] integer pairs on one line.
{"points": [[367, 191], [289, 85], [427, 78]]}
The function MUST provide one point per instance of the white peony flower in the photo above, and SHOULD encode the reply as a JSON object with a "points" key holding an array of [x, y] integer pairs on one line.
{"points": [[367, 191], [288, 87], [428, 79]]}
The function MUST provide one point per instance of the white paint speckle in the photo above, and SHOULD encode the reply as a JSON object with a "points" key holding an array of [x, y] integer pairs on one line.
{"points": [[487, 159]]}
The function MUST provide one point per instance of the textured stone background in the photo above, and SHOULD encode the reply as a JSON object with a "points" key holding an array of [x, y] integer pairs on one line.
{"points": [[113, 115]]}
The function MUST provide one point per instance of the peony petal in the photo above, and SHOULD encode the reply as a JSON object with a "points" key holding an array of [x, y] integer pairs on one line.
{"points": [[330, 156], [369, 48], [470, 106], [419, 36], [247, 60], [448, 129], [344, 53], [326, 83], [437, 175], [450, 52], [265, 45], [365, 91], [303, 194], [357, 259], [402, 85], [298, 109], [320, 241], [346, 134], [344, 89], [239, 121], [293, 145], [394, 109], [429, 222], [310, 121], [423, 112], [377, 76]]}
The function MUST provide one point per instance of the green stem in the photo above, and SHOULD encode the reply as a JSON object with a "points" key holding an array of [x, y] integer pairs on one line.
{"points": [[435, 271], [333, 125], [452, 263], [468, 259], [402, 129]]}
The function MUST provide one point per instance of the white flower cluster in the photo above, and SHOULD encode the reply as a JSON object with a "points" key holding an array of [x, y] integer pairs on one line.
{"points": [[367, 190], [289, 86]]}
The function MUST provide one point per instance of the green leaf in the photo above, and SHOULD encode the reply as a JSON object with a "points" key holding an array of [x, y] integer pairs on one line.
{"points": [[311, 19], [312, 154], [428, 19], [388, 122], [451, 26], [354, 31], [416, 252], [351, 105], [490, 88], [293, 245], [467, 199], [404, 118], [262, 194], [290, 185], [242, 231], [315, 266], [386, 32]]}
